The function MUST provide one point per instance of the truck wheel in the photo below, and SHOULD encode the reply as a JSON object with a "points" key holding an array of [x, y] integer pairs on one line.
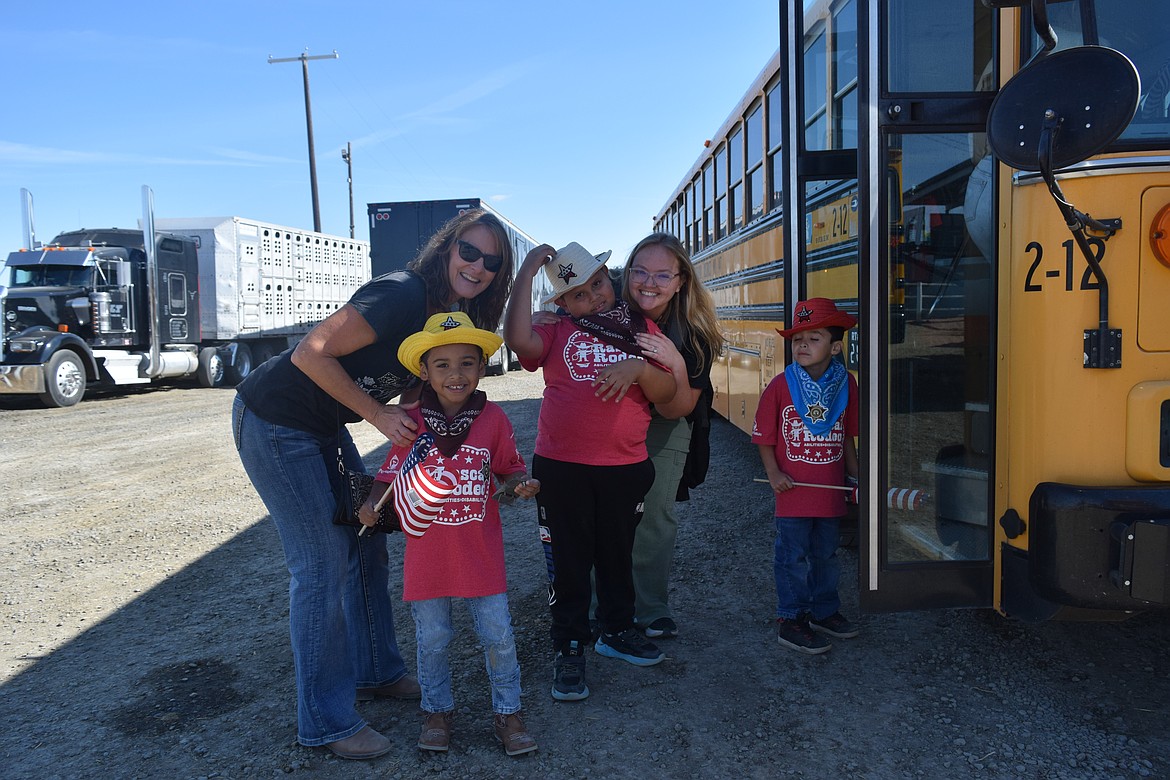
{"points": [[210, 371], [505, 361], [262, 353], [64, 380], [242, 366]]}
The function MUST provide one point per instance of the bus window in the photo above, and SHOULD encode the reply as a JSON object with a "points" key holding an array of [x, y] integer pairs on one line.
{"points": [[939, 422], [720, 193], [844, 75], [708, 204], [816, 120], [754, 142], [735, 179], [831, 245], [775, 158], [932, 48], [1127, 28]]}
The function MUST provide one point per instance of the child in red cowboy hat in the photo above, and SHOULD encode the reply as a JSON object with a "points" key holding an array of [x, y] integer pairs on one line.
{"points": [[460, 552], [804, 427], [590, 452]]}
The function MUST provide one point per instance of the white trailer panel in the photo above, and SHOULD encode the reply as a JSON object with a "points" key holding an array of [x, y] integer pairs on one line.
{"points": [[257, 279]]}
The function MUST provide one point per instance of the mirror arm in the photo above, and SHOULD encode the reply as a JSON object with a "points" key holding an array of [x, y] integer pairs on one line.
{"points": [[1043, 28], [1074, 219]]}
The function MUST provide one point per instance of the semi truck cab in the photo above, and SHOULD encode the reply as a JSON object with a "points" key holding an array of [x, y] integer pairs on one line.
{"points": [[77, 312]]}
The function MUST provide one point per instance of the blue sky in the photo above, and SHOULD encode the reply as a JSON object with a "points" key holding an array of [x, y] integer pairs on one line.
{"points": [[575, 120]]}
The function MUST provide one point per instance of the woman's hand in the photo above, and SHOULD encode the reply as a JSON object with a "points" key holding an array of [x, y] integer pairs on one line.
{"points": [[613, 382], [658, 347], [395, 424], [545, 317]]}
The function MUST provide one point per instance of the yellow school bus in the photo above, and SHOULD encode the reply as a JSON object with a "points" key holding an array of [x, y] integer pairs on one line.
{"points": [[986, 186]]}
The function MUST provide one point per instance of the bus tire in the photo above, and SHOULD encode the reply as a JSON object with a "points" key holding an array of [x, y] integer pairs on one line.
{"points": [[242, 366], [210, 370], [64, 380]]}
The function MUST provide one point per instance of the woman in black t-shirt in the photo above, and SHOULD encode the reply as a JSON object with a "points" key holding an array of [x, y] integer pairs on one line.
{"points": [[287, 422]]}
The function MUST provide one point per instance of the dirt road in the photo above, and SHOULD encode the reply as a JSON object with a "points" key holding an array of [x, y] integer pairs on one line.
{"points": [[144, 634]]}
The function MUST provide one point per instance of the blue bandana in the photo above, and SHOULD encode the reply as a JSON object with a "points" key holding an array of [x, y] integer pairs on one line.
{"points": [[819, 402]]}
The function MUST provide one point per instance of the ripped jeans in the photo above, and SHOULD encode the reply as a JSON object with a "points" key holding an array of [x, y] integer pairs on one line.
{"points": [[493, 625]]}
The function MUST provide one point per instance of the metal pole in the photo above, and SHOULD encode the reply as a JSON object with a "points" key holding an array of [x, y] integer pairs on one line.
{"points": [[347, 155], [304, 60]]}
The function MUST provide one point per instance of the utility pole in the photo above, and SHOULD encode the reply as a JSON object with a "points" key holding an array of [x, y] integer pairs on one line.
{"points": [[304, 60], [348, 157]]}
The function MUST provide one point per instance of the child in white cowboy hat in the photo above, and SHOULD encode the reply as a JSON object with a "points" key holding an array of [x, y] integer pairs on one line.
{"points": [[590, 452], [461, 553], [804, 427]]}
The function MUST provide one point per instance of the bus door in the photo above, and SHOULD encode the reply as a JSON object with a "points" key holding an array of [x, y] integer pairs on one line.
{"points": [[927, 265]]}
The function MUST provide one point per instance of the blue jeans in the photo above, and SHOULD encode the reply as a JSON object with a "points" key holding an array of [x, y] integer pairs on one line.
{"points": [[806, 566], [493, 625], [341, 619]]}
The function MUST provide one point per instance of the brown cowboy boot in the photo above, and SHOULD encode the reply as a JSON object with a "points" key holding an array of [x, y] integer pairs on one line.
{"points": [[512, 734], [436, 731]]}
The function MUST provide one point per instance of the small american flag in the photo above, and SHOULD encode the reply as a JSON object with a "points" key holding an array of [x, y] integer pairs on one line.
{"points": [[418, 495]]}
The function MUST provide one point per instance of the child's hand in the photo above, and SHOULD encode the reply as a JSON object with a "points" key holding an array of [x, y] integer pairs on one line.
{"points": [[367, 514], [527, 488], [518, 486], [536, 259], [613, 382], [545, 317], [780, 482]]}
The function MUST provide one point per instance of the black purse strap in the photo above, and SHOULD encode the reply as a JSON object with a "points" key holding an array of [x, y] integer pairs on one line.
{"points": [[340, 456]]}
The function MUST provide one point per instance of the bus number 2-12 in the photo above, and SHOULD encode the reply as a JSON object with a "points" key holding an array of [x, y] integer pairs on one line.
{"points": [[1087, 282], [841, 220]]}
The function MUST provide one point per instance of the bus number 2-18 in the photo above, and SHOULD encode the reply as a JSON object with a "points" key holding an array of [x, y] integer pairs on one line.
{"points": [[1032, 283]]}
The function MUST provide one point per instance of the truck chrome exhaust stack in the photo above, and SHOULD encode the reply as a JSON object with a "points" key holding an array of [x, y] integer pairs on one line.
{"points": [[148, 240]]}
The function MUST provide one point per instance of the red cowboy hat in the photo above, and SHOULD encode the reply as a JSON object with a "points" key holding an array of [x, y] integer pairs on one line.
{"points": [[817, 313]]}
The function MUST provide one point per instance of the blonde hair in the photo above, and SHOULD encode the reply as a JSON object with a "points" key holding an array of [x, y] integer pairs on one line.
{"points": [[692, 306]]}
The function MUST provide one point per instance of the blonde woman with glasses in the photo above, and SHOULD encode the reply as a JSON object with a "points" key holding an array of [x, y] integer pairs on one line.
{"points": [[659, 281]]}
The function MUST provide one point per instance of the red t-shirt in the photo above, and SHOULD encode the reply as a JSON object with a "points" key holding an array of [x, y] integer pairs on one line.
{"points": [[818, 460], [461, 555], [575, 425]]}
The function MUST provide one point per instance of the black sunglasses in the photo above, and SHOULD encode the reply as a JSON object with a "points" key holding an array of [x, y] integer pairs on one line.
{"points": [[471, 253]]}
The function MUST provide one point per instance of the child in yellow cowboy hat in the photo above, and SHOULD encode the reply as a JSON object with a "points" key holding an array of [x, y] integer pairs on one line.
{"points": [[460, 555], [804, 428], [590, 452]]}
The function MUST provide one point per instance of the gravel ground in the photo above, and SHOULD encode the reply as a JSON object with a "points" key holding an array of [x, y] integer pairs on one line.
{"points": [[144, 634]]}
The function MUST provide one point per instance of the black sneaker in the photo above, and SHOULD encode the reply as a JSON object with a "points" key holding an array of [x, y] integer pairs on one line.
{"points": [[594, 629], [629, 646], [663, 628], [835, 625], [569, 673], [796, 634]]}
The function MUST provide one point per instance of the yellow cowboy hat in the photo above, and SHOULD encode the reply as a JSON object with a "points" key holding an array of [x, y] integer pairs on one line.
{"points": [[448, 327]]}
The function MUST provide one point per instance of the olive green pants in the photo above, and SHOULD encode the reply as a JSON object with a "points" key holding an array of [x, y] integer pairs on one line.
{"points": [[667, 442]]}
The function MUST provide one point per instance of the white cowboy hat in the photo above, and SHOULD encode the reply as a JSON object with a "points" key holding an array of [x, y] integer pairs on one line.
{"points": [[572, 267]]}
